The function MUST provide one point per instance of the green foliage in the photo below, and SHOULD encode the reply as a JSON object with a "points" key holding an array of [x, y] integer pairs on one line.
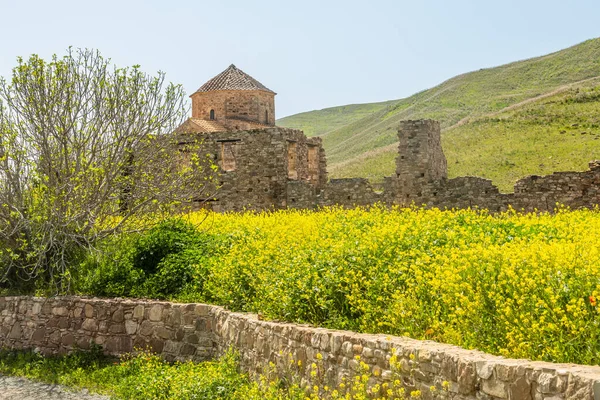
{"points": [[500, 150], [85, 146], [169, 237], [159, 263]]}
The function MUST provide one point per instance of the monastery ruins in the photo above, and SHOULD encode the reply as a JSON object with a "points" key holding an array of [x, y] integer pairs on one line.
{"points": [[265, 167]]}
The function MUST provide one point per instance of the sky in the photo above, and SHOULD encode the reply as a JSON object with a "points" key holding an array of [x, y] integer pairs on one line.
{"points": [[314, 54]]}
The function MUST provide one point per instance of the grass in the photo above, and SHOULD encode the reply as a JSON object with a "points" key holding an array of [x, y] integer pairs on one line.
{"points": [[145, 376], [364, 146], [557, 133], [317, 123]]}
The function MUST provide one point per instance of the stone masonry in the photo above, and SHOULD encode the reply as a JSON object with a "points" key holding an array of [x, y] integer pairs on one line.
{"points": [[421, 179], [202, 332], [258, 167]]}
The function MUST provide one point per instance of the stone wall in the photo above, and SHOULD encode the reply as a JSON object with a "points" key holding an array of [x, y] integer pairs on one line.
{"points": [[430, 186], [201, 332], [420, 157], [277, 168], [59, 325], [254, 167], [421, 180]]}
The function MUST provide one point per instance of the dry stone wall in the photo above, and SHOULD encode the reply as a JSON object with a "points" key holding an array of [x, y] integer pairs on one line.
{"points": [[200, 332]]}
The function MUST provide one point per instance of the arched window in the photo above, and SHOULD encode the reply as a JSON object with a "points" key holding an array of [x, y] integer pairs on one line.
{"points": [[266, 117], [212, 114]]}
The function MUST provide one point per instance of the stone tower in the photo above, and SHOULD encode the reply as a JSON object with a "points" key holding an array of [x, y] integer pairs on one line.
{"points": [[420, 160], [234, 95]]}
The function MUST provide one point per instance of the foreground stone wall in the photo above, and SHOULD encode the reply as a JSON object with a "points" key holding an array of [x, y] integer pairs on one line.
{"points": [[200, 332], [59, 325]]}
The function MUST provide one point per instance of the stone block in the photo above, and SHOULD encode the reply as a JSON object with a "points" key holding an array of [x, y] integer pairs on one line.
{"points": [[146, 328], [88, 310], [38, 335], [116, 328], [90, 324], [164, 332], [485, 369], [131, 327], [155, 313], [67, 339], [60, 311], [118, 315], [138, 312], [495, 388], [520, 389], [16, 331]]}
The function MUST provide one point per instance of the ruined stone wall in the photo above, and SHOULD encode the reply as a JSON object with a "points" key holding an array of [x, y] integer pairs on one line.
{"points": [[421, 179], [254, 167], [277, 168], [348, 192], [200, 332], [248, 105], [420, 157]]}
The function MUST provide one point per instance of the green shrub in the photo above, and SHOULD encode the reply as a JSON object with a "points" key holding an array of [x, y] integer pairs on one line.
{"points": [[168, 237], [158, 263]]}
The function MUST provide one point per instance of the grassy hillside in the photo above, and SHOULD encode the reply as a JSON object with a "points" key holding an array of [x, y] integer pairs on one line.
{"points": [[317, 123], [475, 110]]}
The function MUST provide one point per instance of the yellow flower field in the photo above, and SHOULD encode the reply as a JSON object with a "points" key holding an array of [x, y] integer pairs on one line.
{"points": [[510, 284]]}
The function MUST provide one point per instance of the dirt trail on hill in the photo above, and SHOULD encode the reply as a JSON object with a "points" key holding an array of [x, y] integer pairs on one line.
{"points": [[521, 103]]}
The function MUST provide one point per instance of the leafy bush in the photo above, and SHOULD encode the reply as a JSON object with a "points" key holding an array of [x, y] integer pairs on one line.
{"points": [[158, 263]]}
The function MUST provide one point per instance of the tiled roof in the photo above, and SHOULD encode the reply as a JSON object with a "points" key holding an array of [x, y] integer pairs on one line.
{"points": [[233, 79], [197, 125], [206, 126]]}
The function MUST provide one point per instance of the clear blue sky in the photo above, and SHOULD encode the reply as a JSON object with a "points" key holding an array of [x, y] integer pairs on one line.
{"points": [[314, 54]]}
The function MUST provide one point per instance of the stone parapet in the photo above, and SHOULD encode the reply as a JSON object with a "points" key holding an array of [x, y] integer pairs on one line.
{"points": [[201, 332]]}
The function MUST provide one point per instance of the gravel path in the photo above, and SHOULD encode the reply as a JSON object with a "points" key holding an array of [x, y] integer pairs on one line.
{"points": [[12, 388]]}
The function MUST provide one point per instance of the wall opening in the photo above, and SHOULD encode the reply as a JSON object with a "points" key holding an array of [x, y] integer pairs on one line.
{"points": [[184, 161], [212, 115], [313, 163], [292, 161], [266, 117], [228, 156]]}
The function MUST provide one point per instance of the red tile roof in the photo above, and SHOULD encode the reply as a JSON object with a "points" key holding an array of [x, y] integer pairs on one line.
{"points": [[197, 125], [233, 79], [206, 126]]}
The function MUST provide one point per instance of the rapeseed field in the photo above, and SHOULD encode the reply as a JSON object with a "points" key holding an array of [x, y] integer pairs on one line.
{"points": [[518, 285]]}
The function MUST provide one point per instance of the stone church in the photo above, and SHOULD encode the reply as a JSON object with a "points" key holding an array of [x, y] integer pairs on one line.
{"points": [[234, 115]]}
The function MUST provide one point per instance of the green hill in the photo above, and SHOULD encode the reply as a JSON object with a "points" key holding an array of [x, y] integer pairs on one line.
{"points": [[501, 123]]}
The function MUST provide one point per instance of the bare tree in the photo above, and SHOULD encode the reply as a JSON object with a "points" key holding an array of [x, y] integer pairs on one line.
{"points": [[86, 150]]}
